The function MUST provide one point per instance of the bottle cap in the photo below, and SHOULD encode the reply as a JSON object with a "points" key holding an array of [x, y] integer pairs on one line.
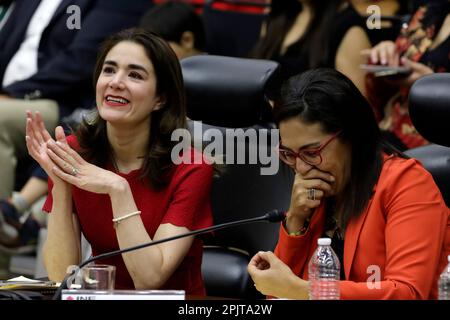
{"points": [[324, 241]]}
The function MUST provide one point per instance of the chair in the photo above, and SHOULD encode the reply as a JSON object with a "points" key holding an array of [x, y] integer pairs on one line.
{"points": [[232, 33], [429, 107], [228, 96]]}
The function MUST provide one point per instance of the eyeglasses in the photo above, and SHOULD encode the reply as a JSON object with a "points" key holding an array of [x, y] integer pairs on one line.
{"points": [[312, 157]]}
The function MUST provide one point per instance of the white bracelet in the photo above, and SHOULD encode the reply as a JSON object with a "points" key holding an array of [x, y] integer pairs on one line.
{"points": [[116, 221]]}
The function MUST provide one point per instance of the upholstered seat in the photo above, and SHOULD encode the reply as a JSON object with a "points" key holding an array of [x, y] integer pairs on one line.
{"points": [[429, 107], [228, 96]]}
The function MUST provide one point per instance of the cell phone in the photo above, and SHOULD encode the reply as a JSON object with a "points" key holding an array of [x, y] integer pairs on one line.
{"points": [[386, 71]]}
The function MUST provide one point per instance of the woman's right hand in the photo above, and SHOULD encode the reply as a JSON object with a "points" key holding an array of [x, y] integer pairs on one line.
{"points": [[384, 53], [37, 138], [302, 206]]}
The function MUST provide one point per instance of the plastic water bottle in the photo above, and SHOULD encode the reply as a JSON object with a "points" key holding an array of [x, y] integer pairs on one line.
{"points": [[444, 283], [324, 272]]}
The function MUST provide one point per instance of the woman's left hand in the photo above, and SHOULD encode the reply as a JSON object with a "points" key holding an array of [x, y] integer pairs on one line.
{"points": [[273, 277], [72, 168], [418, 70]]}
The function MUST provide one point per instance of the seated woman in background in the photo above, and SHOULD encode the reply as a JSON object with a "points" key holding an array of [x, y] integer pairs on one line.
{"points": [[19, 222], [307, 34], [387, 7], [424, 47], [115, 179], [178, 24], [392, 13], [379, 207]]}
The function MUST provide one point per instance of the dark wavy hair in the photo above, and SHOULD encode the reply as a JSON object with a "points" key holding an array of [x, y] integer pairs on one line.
{"points": [[282, 17], [157, 164], [327, 97], [171, 19]]}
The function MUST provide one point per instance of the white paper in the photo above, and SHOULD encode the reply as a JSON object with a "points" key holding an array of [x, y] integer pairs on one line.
{"points": [[24, 279]]}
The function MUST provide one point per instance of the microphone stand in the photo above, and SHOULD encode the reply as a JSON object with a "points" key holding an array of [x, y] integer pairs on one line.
{"points": [[272, 216]]}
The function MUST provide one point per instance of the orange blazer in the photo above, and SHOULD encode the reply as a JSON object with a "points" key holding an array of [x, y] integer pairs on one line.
{"points": [[404, 233]]}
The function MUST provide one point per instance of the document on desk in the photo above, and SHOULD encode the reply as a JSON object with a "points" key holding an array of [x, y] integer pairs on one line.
{"points": [[123, 295], [24, 283]]}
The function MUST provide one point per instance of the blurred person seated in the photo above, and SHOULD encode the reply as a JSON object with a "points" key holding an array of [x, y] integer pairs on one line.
{"points": [[115, 179], [380, 208], [423, 46], [178, 24], [20, 221], [387, 7], [393, 12], [307, 34]]}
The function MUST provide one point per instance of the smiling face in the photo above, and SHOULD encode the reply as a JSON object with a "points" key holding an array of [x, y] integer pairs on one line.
{"points": [[126, 86], [297, 136]]}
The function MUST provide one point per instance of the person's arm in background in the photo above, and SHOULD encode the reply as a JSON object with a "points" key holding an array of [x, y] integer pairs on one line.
{"points": [[418, 70], [386, 53], [349, 58], [388, 7], [34, 189], [74, 66]]}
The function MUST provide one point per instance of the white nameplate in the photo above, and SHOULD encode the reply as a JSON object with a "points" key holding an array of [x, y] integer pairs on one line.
{"points": [[123, 295]]}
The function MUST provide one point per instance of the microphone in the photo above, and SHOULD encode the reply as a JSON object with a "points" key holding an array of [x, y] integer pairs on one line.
{"points": [[272, 216]]}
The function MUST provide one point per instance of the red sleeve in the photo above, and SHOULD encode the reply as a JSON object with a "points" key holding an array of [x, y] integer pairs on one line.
{"points": [[190, 206], [416, 226], [48, 204], [296, 251]]}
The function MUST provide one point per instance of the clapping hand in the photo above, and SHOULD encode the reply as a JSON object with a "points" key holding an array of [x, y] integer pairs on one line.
{"points": [[63, 164], [37, 138], [72, 168]]}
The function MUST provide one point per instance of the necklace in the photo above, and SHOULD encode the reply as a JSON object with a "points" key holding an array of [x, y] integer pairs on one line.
{"points": [[332, 225]]}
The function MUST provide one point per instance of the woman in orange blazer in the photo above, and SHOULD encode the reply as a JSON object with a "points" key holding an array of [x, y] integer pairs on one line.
{"points": [[386, 216]]}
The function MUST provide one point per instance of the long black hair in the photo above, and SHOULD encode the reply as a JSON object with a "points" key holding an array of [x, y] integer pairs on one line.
{"points": [[92, 135], [281, 19], [327, 97]]}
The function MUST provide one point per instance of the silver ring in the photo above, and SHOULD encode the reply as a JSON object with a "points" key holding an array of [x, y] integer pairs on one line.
{"points": [[74, 171], [312, 194]]}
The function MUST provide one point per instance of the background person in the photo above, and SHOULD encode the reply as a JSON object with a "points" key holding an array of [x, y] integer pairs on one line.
{"points": [[178, 24], [307, 34], [424, 47]]}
